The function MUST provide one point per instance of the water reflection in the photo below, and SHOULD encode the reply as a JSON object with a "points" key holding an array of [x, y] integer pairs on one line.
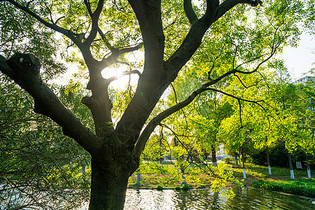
{"points": [[150, 199], [246, 198]]}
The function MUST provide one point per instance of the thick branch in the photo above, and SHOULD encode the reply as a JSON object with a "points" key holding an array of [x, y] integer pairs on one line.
{"points": [[95, 17], [107, 61], [189, 11], [212, 6], [24, 70], [152, 82], [154, 79], [88, 7], [197, 31]]}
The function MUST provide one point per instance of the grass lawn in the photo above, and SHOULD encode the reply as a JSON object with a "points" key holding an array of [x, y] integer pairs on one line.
{"points": [[167, 176], [302, 186]]}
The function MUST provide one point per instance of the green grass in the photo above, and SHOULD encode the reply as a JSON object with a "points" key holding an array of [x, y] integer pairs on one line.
{"points": [[155, 175], [262, 171], [302, 186]]}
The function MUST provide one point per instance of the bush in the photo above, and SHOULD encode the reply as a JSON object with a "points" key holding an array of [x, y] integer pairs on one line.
{"points": [[159, 188], [278, 156], [228, 160], [185, 187]]}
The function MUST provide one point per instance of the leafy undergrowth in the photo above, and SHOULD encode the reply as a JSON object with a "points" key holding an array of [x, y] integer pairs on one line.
{"points": [[302, 186]]}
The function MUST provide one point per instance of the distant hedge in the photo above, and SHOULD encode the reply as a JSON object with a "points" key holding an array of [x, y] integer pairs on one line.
{"points": [[294, 187]]}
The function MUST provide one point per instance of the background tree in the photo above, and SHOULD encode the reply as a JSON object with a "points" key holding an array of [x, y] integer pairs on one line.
{"points": [[306, 118], [287, 102], [207, 124], [303, 113], [236, 135]]}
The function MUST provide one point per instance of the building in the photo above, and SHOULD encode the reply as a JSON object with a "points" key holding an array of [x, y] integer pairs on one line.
{"points": [[304, 80]]}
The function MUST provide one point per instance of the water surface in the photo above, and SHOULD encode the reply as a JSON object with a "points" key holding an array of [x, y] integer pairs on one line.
{"points": [[246, 198]]}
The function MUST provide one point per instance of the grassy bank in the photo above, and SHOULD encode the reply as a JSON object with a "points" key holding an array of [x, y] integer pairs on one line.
{"points": [[302, 186], [154, 175]]}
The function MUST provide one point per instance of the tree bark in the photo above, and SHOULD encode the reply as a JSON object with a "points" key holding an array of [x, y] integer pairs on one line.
{"points": [[268, 161], [243, 160], [108, 185], [291, 167], [83, 173], [138, 179], [308, 169], [236, 160], [214, 156]]}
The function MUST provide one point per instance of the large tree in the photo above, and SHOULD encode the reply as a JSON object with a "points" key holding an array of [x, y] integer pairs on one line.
{"points": [[104, 31]]}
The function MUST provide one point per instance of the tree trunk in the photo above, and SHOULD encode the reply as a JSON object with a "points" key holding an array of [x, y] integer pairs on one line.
{"points": [[138, 179], [243, 160], [236, 161], [245, 191], [182, 172], [83, 173], [268, 160], [291, 167], [214, 156], [308, 170], [108, 185]]}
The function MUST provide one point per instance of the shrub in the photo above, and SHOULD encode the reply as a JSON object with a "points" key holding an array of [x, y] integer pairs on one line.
{"points": [[228, 160], [159, 188], [185, 187], [278, 156]]}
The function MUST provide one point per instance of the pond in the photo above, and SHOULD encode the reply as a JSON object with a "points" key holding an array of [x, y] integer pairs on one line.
{"points": [[246, 198]]}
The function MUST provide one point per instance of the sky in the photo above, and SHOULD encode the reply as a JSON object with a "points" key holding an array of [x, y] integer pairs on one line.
{"points": [[299, 60]]}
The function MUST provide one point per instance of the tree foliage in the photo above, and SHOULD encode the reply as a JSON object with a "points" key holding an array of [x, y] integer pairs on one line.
{"points": [[37, 161]]}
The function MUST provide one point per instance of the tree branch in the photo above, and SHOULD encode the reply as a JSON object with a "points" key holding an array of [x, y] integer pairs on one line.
{"points": [[110, 47], [67, 33], [24, 70], [239, 101], [189, 11], [193, 39], [111, 79], [140, 144], [229, 4], [107, 61], [95, 17], [88, 7], [212, 6]]}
